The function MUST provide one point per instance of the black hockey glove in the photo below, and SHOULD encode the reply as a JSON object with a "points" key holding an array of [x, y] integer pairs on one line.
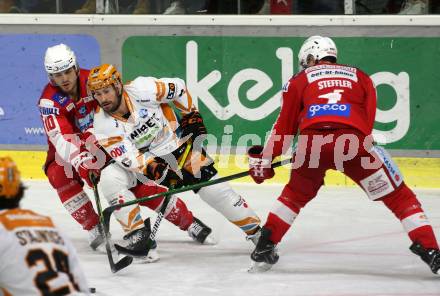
{"points": [[160, 172], [192, 125]]}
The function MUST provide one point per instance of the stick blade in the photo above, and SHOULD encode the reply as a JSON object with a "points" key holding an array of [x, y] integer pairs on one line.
{"points": [[118, 265], [121, 264], [132, 253]]}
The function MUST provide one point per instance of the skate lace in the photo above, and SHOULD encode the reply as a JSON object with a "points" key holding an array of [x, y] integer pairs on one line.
{"points": [[136, 236], [253, 237], [435, 258], [195, 229]]}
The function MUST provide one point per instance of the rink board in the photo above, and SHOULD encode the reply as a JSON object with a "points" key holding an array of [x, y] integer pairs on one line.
{"points": [[418, 172]]}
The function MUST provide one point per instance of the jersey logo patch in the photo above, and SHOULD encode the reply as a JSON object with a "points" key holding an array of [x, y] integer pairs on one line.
{"points": [[88, 99], [143, 113], [82, 110], [85, 122], [70, 107], [390, 165], [49, 110], [328, 109], [171, 91], [377, 185], [126, 162], [118, 151], [318, 74], [60, 99]]}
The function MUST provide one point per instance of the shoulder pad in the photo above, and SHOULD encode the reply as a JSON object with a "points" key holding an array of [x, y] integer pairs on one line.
{"points": [[144, 88]]}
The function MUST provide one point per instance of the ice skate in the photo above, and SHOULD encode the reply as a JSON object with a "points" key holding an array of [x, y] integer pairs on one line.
{"points": [[199, 232], [96, 238], [265, 254], [430, 256], [137, 246], [254, 237]]}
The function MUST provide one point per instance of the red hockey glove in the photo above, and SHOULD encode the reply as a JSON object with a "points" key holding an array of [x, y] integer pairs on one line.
{"points": [[192, 125], [84, 165], [160, 172], [260, 168]]}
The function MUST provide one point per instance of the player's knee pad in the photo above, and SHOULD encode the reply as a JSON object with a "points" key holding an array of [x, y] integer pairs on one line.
{"points": [[383, 181], [113, 179], [115, 183]]}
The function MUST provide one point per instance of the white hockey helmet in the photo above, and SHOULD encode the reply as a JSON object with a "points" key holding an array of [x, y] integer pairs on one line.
{"points": [[59, 58], [317, 47]]}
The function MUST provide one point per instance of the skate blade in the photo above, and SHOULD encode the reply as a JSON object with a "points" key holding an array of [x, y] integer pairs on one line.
{"points": [[153, 256], [210, 241], [258, 267], [100, 249], [95, 245]]}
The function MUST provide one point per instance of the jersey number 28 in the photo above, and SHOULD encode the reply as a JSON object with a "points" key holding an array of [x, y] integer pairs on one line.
{"points": [[50, 272]]}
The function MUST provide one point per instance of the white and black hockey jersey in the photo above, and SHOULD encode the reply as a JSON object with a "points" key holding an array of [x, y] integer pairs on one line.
{"points": [[35, 258], [150, 130]]}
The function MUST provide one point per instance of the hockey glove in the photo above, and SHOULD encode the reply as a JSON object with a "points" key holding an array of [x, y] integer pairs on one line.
{"points": [[192, 125], [84, 165], [160, 172], [260, 168]]}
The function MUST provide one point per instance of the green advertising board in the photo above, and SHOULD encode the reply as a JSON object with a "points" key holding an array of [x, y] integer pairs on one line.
{"points": [[236, 81]]}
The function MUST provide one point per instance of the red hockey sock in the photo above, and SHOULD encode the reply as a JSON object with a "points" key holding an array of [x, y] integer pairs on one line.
{"points": [[404, 204], [425, 236], [78, 204], [179, 215], [74, 199], [277, 226], [177, 212], [148, 189], [280, 218]]}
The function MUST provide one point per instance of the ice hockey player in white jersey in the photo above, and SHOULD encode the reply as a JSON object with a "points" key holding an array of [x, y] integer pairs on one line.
{"points": [[139, 129], [35, 258]]}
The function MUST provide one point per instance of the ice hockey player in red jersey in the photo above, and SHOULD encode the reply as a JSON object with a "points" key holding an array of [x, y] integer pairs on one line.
{"points": [[332, 107], [67, 112]]}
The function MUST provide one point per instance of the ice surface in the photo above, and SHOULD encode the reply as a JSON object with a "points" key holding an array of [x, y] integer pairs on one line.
{"points": [[342, 244]]}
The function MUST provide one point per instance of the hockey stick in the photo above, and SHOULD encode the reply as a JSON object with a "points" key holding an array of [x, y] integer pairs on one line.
{"points": [[159, 217], [108, 211], [125, 261]]}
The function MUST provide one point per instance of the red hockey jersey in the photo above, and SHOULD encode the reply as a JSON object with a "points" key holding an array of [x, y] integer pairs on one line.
{"points": [[323, 96], [64, 120]]}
